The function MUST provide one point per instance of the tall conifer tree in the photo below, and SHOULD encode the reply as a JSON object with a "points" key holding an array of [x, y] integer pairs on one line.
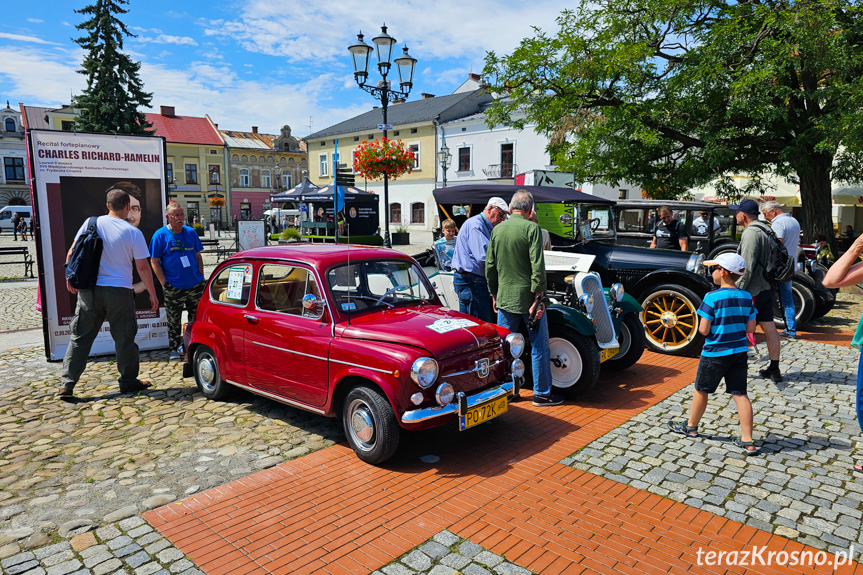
{"points": [[114, 91]]}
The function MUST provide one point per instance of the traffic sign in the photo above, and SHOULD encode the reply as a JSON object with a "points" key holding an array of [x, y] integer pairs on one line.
{"points": [[385, 126]]}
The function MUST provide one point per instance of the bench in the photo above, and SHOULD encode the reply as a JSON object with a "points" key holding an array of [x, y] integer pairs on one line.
{"points": [[22, 251], [213, 247]]}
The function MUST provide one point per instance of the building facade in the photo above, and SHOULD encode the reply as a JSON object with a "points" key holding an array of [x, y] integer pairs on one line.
{"points": [[260, 165], [195, 163], [14, 183], [416, 124]]}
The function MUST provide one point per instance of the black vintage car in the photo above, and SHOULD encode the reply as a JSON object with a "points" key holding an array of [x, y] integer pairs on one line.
{"points": [[712, 230], [669, 285]]}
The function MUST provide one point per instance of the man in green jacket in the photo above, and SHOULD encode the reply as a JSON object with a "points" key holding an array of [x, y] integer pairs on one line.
{"points": [[515, 271], [755, 249]]}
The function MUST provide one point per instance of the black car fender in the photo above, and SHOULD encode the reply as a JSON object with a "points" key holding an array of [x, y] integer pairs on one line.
{"points": [[819, 291], [691, 280]]}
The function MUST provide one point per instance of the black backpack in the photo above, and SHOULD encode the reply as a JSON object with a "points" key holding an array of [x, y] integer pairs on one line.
{"points": [[83, 267], [780, 265]]}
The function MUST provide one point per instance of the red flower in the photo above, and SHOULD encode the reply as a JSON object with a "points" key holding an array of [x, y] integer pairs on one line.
{"points": [[374, 159]]}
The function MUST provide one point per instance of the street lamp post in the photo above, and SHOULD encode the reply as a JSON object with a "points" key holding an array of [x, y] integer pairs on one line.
{"points": [[444, 158], [360, 53]]}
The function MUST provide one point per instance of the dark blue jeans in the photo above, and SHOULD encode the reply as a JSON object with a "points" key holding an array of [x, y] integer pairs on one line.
{"points": [[473, 296]]}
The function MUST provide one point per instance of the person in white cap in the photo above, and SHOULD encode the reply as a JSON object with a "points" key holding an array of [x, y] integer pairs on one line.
{"points": [[727, 315], [468, 260]]}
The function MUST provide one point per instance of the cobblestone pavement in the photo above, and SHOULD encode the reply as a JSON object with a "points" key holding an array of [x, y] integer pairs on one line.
{"points": [[449, 554], [845, 314], [801, 486], [68, 466], [130, 546]]}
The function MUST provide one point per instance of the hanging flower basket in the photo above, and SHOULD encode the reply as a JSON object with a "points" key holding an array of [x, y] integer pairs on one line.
{"points": [[377, 158], [216, 202]]}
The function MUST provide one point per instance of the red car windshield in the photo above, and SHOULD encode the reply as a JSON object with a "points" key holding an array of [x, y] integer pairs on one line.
{"points": [[383, 283]]}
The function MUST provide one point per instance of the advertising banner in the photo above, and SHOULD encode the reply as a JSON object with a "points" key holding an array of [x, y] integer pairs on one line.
{"points": [[72, 173]]}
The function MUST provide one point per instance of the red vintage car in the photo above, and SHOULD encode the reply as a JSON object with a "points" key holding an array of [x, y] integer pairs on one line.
{"points": [[350, 332]]}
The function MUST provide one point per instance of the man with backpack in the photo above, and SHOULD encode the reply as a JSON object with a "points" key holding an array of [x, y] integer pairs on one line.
{"points": [[112, 296], [755, 248]]}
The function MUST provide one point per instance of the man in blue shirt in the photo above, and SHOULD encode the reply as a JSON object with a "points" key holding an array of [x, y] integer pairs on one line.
{"points": [[468, 260], [177, 262]]}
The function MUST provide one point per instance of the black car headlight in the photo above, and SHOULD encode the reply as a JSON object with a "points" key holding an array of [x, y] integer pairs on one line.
{"points": [[424, 372]]}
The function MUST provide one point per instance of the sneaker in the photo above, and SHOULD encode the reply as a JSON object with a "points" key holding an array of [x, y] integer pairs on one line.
{"points": [[175, 356], [546, 400], [786, 335], [772, 374]]}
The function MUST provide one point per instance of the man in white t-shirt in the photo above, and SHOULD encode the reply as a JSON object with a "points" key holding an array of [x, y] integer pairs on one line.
{"points": [[112, 298], [787, 229]]}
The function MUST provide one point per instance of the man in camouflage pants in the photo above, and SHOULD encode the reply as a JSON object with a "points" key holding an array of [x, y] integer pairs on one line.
{"points": [[176, 259]]}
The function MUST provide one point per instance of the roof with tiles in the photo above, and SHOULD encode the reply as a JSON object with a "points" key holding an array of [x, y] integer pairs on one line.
{"points": [[184, 129], [442, 108]]}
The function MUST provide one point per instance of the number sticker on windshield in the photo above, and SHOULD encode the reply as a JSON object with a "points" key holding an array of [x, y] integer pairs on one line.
{"points": [[447, 325]]}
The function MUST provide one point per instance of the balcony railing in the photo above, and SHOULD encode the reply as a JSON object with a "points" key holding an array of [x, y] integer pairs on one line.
{"points": [[500, 171]]}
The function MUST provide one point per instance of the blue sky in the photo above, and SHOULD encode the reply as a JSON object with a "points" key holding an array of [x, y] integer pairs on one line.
{"points": [[261, 62]]}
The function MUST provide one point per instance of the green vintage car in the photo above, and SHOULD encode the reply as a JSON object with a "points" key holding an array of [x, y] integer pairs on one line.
{"points": [[589, 325]]}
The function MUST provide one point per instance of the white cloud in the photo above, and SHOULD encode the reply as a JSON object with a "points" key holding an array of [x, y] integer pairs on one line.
{"points": [[22, 38], [323, 31], [25, 70], [35, 20], [167, 39]]}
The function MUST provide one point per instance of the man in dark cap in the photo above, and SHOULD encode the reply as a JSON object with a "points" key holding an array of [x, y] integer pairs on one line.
{"points": [[755, 249]]}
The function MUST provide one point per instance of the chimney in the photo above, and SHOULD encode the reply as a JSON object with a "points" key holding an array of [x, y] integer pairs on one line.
{"points": [[427, 96], [167, 111], [474, 77], [254, 129]]}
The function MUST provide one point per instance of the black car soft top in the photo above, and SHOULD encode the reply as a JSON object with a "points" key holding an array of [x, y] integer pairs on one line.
{"points": [[482, 193]]}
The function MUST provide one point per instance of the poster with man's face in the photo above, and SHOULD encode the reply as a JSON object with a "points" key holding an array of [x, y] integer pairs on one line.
{"points": [[73, 173]]}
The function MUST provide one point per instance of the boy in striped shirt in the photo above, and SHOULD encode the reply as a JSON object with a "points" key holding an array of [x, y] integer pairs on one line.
{"points": [[727, 315]]}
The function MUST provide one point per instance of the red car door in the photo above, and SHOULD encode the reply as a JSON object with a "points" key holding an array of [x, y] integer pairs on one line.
{"points": [[286, 345]]}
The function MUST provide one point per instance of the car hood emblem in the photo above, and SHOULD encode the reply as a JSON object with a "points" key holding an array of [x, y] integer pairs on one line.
{"points": [[482, 367]]}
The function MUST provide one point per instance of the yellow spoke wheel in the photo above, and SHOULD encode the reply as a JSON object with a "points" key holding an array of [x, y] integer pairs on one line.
{"points": [[670, 320]]}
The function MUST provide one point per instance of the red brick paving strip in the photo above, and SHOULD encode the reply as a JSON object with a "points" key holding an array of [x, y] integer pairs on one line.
{"points": [[499, 485]]}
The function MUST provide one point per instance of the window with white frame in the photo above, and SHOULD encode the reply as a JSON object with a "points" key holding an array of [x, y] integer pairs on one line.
{"points": [[266, 182], [418, 213], [288, 180], [415, 148], [464, 159], [324, 165], [395, 214], [244, 178]]}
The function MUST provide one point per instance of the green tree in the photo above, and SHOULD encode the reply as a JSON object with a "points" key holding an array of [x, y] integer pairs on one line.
{"points": [[674, 94], [114, 91]]}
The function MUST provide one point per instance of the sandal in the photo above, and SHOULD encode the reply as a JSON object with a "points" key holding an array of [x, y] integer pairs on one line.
{"points": [[136, 387], [745, 445], [682, 427]]}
